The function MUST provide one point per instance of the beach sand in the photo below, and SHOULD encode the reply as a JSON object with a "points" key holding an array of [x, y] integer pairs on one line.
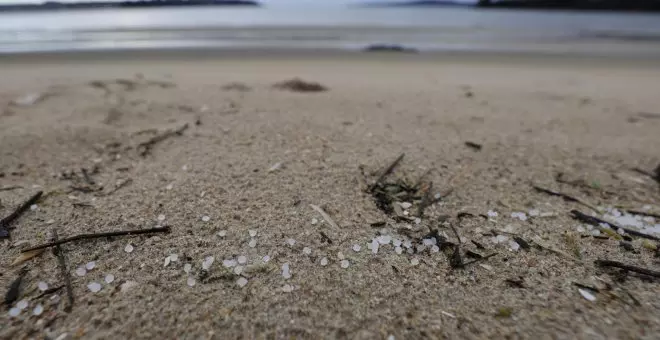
{"points": [[255, 157]]}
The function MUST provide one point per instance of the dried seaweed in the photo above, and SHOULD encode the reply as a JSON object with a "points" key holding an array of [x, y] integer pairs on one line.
{"points": [[7, 221]]}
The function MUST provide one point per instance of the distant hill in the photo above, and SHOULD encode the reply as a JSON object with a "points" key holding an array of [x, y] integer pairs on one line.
{"points": [[621, 5], [54, 5], [416, 3]]}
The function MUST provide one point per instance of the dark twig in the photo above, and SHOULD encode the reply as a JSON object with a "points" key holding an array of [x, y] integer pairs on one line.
{"points": [[119, 186], [484, 257], [165, 229], [61, 259], [385, 172], [643, 213], [12, 187], [87, 177], [456, 261], [48, 292], [565, 197], [655, 176], [473, 145], [426, 200], [144, 148], [616, 264], [5, 222], [595, 221], [15, 288]]}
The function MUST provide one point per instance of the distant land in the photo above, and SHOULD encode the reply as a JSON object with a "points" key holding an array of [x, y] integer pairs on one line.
{"points": [[417, 3], [619, 5], [54, 5], [614, 5]]}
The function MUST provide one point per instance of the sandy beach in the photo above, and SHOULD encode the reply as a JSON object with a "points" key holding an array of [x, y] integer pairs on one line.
{"points": [[239, 184]]}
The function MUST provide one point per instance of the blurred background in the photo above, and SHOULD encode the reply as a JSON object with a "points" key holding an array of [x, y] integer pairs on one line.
{"points": [[557, 27]]}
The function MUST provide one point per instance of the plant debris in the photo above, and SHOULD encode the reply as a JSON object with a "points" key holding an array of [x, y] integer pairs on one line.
{"points": [[516, 283], [14, 290], [64, 272], [616, 264], [325, 215], [165, 229], [299, 85], [11, 187], [144, 148], [523, 244], [474, 146], [595, 221], [6, 222], [566, 197], [27, 256]]}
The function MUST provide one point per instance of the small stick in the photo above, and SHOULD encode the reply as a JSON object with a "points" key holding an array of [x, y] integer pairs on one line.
{"points": [[616, 264], [5, 222], [566, 197], [325, 216], [12, 187], [165, 229], [61, 259], [121, 185], [595, 221], [48, 292], [643, 213], [145, 147], [86, 176], [386, 172]]}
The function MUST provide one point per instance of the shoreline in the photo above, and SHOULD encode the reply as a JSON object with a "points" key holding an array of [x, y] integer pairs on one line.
{"points": [[174, 54]]}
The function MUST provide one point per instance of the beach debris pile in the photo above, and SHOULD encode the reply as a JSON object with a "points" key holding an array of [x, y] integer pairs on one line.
{"points": [[299, 85]]}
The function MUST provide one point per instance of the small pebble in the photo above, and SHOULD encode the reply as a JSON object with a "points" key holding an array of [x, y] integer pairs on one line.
{"points": [[208, 261], [94, 287], [266, 258], [414, 261], [595, 232], [229, 263], [252, 232], [81, 271], [43, 286], [238, 270], [406, 205], [340, 256], [324, 261], [314, 221], [374, 246], [241, 282], [307, 250], [287, 288], [344, 264], [534, 212], [356, 248], [174, 257], [90, 265], [128, 248], [587, 295], [291, 242], [169, 186], [384, 239], [167, 261], [435, 249], [38, 309], [34, 207], [14, 312], [51, 221], [396, 242], [580, 229], [222, 233], [286, 273], [398, 250], [242, 259], [206, 218], [492, 213], [161, 217], [187, 267], [109, 278], [191, 282], [22, 304], [252, 243]]}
